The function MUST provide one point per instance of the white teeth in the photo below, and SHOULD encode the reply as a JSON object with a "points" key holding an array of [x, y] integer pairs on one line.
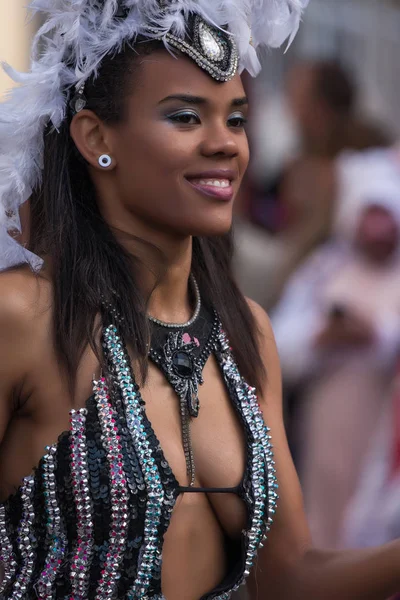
{"points": [[223, 183]]}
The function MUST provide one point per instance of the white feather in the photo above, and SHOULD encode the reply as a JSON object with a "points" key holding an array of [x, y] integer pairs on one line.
{"points": [[84, 32]]}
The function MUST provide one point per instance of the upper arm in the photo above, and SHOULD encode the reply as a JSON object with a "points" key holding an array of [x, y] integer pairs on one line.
{"points": [[17, 321], [289, 537]]}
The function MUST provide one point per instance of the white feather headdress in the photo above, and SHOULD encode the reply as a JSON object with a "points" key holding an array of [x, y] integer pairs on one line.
{"points": [[69, 48]]}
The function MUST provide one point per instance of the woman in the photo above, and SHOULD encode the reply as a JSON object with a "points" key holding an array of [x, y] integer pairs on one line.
{"points": [[167, 489]]}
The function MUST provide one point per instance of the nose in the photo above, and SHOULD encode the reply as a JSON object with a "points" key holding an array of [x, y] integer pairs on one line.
{"points": [[219, 140]]}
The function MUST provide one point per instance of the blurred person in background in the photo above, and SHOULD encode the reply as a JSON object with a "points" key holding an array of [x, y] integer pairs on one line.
{"points": [[322, 97], [379, 483], [337, 328], [373, 514], [291, 215]]}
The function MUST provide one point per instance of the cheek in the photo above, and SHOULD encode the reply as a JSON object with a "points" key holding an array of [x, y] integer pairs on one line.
{"points": [[151, 165], [244, 155], [156, 140], [155, 159]]}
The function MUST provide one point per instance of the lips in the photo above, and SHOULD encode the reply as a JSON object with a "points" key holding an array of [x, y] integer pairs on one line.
{"points": [[216, 183]]}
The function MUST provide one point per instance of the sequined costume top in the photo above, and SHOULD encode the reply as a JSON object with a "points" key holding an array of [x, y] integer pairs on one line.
{"points": [[90, 522]]}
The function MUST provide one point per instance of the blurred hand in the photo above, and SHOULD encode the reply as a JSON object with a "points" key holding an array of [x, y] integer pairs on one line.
{"points": [[345, 330]]}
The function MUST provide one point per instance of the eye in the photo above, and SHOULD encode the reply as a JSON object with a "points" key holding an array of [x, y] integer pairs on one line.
{"points": [[185, 118], [237, 121]]}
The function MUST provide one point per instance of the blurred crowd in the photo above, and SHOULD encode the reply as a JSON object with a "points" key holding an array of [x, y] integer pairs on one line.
{"points": [[318, 245]]}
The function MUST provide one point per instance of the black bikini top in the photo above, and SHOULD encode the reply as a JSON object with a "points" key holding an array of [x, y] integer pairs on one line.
{"points": [[181, 353], [90, 522], [210, 490]]}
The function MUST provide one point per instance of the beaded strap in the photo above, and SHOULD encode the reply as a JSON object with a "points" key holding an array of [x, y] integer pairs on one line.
{"points": [[135, 422], [80, 483], [265, 439], [54, 536], [263, 475], [118, 491], [25, 540], [6, 552], [224, 596]]}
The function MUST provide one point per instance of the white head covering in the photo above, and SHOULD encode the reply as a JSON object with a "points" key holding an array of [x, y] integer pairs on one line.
{"points": [[365, 179], [68, 50]]}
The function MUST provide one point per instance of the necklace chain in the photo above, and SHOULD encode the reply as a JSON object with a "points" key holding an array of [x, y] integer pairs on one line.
{"points": [[195, 314]]}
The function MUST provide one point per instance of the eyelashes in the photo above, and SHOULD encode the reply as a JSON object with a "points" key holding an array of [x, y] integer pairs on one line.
{"points": [[188, 117], [237, 121]]}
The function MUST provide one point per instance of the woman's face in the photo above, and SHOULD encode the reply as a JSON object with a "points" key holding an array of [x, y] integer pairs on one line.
{"points": [[182, 151]]}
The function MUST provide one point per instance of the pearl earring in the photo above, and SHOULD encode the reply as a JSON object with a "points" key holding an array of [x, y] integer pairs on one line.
{"points": [[105, 161]]}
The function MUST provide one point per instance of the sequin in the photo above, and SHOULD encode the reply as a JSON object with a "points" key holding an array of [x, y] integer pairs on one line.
{"points": [[80, 483], [118, 492]]}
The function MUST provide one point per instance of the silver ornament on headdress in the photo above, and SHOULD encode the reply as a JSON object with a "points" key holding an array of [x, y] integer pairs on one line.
{"points": [[221, 36], [212, 49], [78, 101]]}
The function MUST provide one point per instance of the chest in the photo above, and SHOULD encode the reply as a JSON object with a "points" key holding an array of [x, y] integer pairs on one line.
{"points": [[217, 435], [218, 443], [118, 463]]}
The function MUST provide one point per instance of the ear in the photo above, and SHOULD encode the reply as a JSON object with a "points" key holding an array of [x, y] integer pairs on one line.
{"points": [[91, 137]]}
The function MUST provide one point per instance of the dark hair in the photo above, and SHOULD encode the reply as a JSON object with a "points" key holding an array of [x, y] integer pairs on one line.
{"points": [[335, 86], [88, 261]]}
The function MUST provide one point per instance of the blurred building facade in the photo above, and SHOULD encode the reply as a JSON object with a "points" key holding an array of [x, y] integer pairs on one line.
{"points": [[15, 37], [362, 35]]}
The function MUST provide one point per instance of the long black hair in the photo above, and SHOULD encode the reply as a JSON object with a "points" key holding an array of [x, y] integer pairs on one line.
{"points": [[91, 266]]}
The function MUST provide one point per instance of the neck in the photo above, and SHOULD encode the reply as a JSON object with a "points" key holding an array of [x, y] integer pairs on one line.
{"points": [[163, 267], [171, 300]]}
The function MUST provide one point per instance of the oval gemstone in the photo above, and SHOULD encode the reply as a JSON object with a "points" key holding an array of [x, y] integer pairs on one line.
{"points": [[212, 49], [182, 364]]}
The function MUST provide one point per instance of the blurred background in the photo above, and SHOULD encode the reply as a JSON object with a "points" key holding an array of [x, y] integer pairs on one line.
{"points": [[15, 37], [317, 234], [317, 245]]}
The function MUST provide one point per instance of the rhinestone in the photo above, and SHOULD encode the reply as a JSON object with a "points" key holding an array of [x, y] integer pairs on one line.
{"points": [[80, 105], [213, 49], [182, 364]]}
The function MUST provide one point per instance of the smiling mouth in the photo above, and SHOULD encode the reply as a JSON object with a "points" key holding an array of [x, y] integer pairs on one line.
{"points": [[218, 183], [218, 188]]}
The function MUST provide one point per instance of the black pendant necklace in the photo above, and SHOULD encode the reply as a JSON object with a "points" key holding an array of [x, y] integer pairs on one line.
{"points": [[181, 353]]}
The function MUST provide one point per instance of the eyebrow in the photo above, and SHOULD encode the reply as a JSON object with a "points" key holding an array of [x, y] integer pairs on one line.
{"points": [[189, 99]]}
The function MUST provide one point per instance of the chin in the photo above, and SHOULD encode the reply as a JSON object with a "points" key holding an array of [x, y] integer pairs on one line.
{"points": [[214, 222], [211, 228]]}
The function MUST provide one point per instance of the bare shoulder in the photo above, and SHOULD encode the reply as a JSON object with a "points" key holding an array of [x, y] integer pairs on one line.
{"points": [[269, 355], [262, 320], [24, 297], [25, 308], [23, 301]]}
